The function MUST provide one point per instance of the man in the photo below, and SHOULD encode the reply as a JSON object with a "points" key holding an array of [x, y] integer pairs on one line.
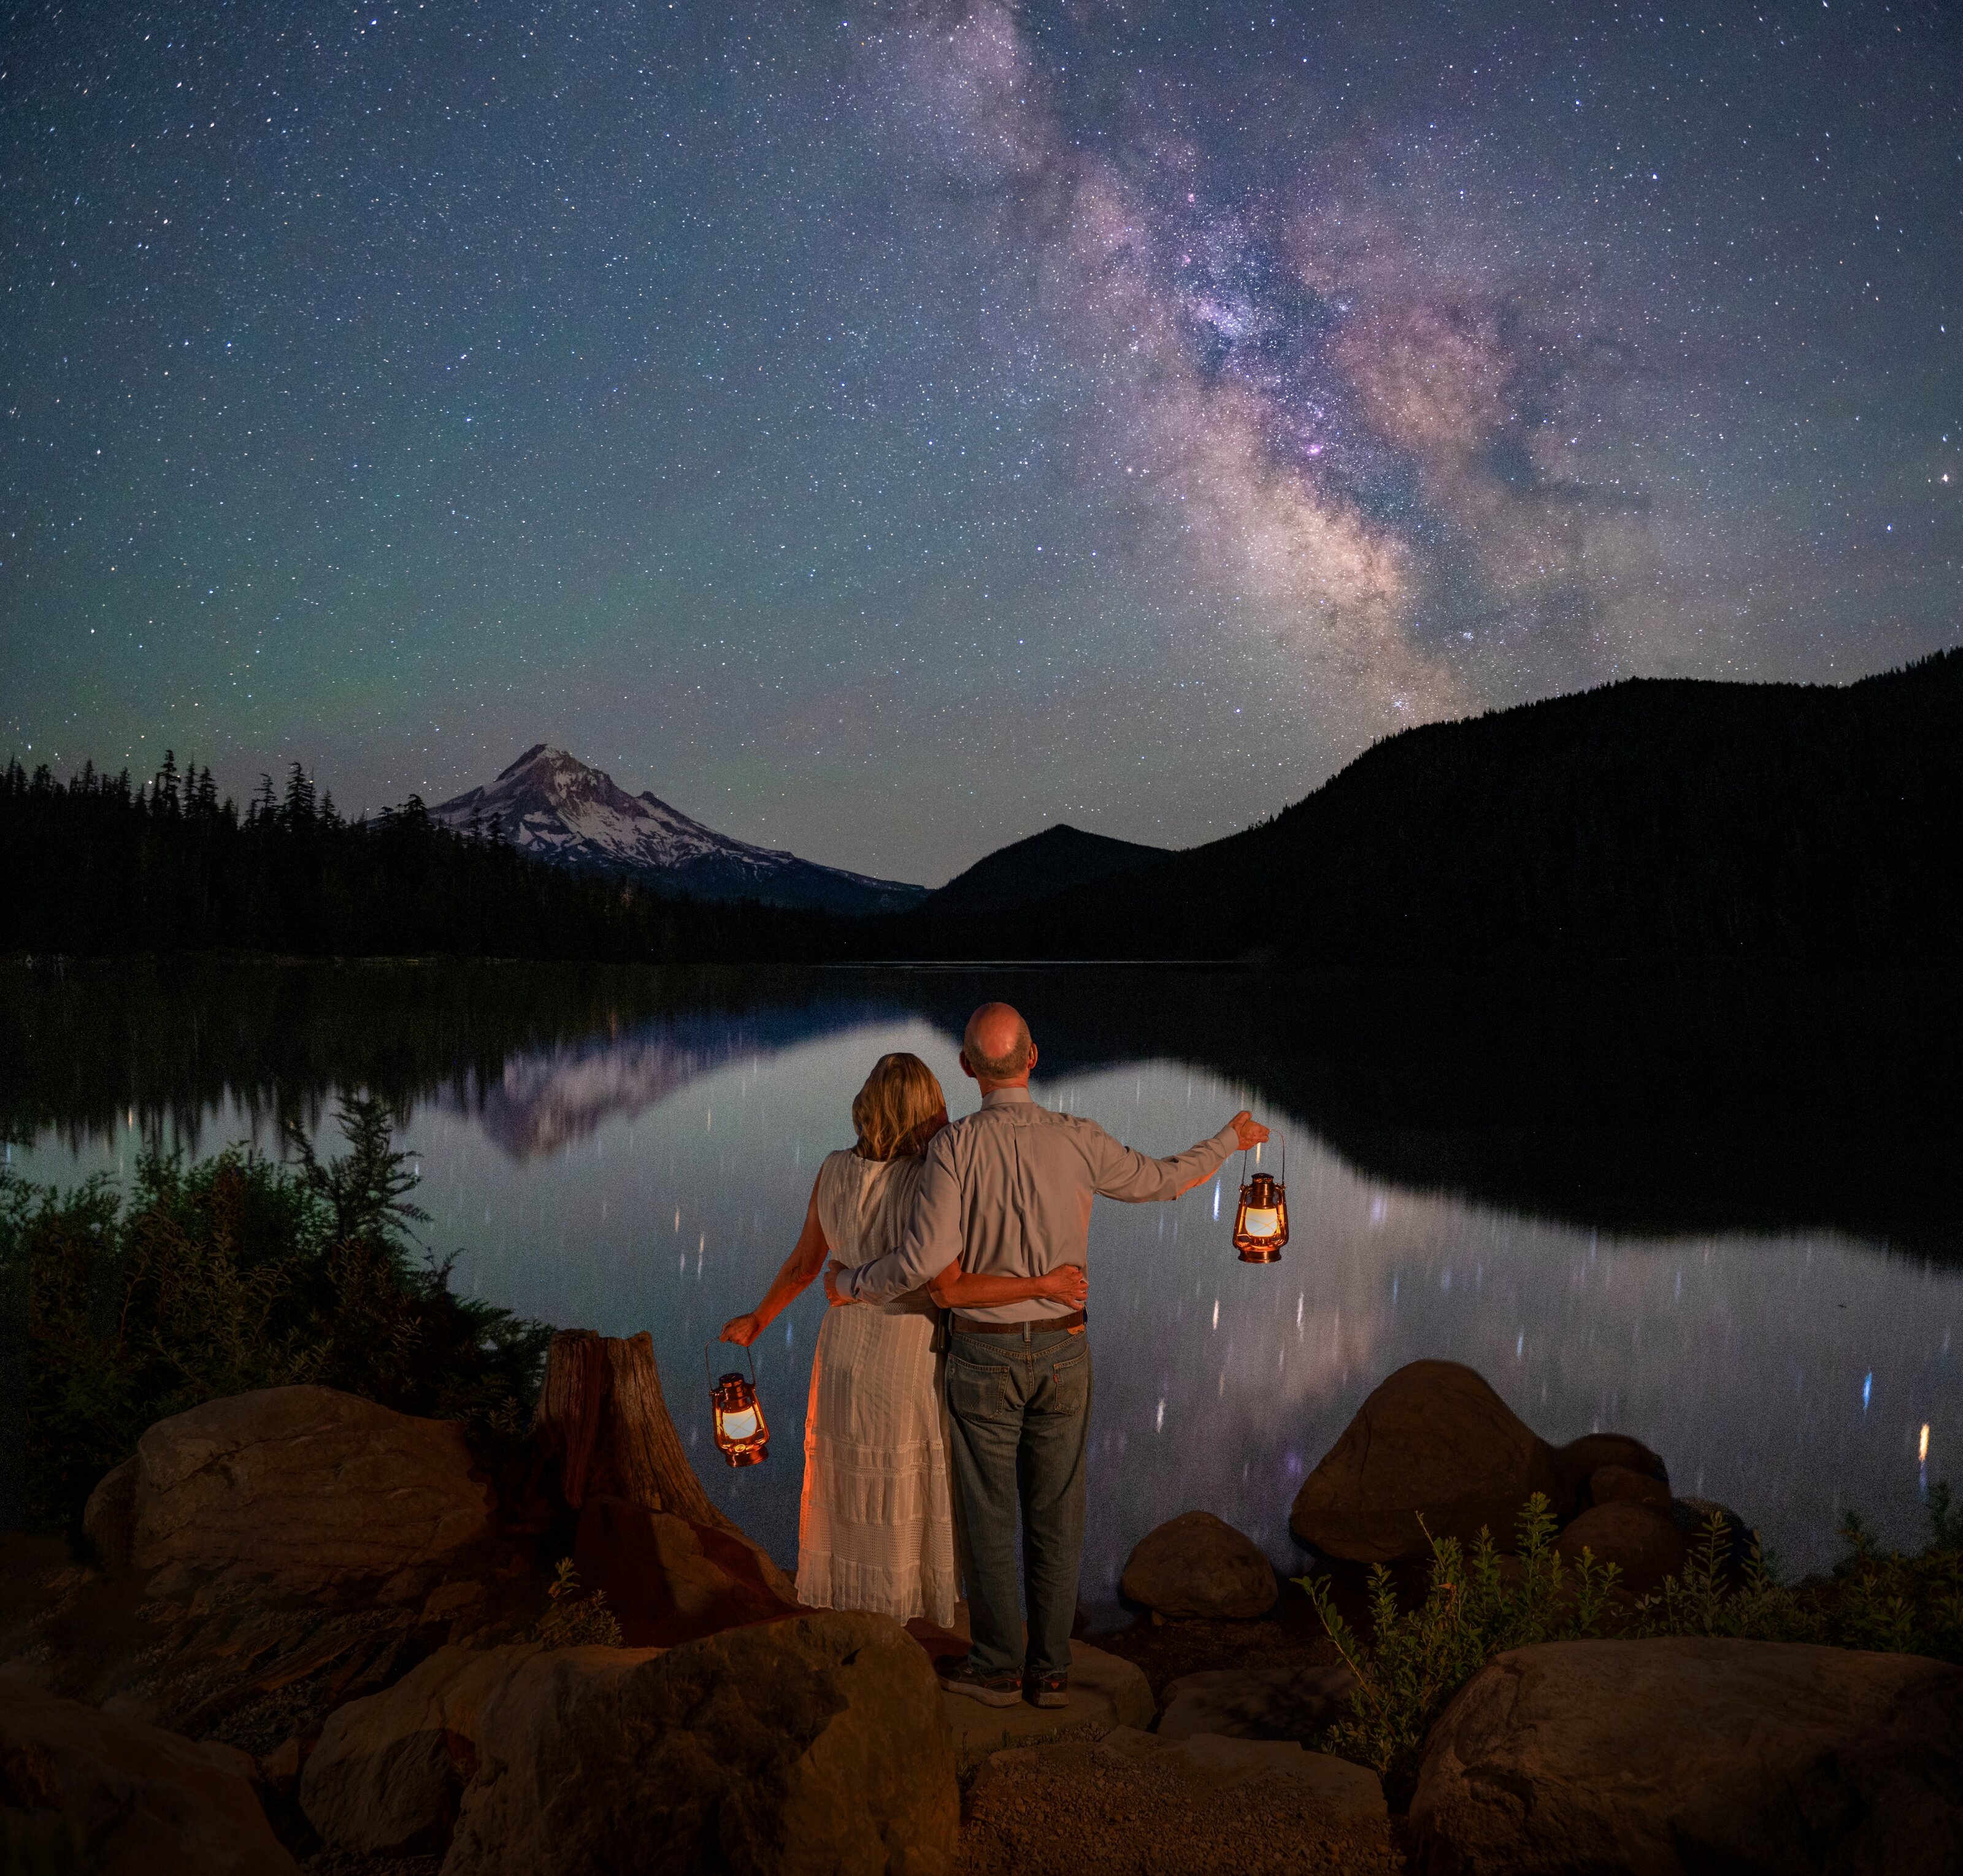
{"points": [[1007, 1192]]}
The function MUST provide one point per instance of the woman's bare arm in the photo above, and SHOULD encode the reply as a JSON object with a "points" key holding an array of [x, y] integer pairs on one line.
{"points": [[808, 1256]]}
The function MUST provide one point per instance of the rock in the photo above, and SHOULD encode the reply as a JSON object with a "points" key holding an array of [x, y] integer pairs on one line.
{"points": [[1618, 1485], [89, 1790], [1256, 1703], [1432, 1441], [280, 1768], [1644, 1543], [668, 1580], [1106, 1691], [304, 1484], [1580, 1460], [814, 1742], [108, 1520], [449, 1600], [1197, 1565], [1691, 1754], [387, 1777]]}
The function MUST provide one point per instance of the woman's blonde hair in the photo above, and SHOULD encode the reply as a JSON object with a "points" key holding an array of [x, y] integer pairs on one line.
{"points": [[899, 1093]]}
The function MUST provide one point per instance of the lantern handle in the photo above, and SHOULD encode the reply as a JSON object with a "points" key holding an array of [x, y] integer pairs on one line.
{"points": [[1272, 1135], [747, 1356]]}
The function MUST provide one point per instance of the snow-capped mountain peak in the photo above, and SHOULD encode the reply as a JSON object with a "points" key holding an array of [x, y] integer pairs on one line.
{"points": [[552, 805]]}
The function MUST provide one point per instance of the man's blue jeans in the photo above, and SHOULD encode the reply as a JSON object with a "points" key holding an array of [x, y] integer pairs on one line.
{"points": [[1019, 1410]]}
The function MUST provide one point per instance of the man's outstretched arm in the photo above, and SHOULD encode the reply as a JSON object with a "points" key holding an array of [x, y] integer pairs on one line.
{"points": [[1127, 1174]]}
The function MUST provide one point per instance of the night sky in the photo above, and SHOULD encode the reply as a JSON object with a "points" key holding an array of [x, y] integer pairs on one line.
{"points": [[884, 435]]}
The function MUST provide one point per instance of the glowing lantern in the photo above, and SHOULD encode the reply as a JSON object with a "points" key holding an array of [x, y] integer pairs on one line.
{"points": [[1260, 1222], [740, 1431]]}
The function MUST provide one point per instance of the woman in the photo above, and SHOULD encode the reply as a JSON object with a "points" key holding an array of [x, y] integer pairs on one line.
{"points": [[875, 1526]]}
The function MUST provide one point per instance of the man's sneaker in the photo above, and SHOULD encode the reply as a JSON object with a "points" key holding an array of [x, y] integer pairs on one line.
{"points": [[992, 1690], [1050, 1690]]}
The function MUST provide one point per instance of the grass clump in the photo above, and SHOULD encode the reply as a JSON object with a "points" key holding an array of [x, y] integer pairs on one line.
{"points": [[1476, 1607], [573, 1621], [229, 1274]]}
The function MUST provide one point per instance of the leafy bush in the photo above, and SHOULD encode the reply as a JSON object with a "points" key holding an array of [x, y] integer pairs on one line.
{"points": [[1474, 1609], [572, 1621], [233, 1273]]}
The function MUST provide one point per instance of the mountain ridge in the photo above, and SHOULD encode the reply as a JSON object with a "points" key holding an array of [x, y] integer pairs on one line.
{"points": [[1653, 821]]}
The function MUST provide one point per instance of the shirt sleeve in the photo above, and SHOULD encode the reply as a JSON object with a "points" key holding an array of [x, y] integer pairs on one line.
{"points": [[931, 1242], [1119, 1172]]}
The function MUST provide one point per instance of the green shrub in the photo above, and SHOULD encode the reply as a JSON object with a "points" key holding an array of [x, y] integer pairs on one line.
{"points": [[571, 1621], [233, 1273], [1474, 1609], [1418, 1659]]}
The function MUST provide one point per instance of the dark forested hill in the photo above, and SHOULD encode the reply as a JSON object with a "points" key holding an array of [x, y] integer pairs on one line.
{"points": [[1652, 822], [1058, 860]]}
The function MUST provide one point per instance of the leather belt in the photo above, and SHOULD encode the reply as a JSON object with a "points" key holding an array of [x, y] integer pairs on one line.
{"points": [[1035, 1325]]}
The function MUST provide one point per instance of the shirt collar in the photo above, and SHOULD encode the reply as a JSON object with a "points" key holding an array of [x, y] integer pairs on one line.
{"points": [[1006, 1097]]}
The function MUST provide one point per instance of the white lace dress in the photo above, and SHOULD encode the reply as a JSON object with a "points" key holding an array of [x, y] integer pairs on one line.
{"points": [[875, 1529]]}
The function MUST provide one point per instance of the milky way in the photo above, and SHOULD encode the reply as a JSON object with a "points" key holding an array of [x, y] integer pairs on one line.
{"points": [[884, 435]]}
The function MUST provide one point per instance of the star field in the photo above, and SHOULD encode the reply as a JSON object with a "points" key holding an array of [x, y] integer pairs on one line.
{"points": [[887, 431]]}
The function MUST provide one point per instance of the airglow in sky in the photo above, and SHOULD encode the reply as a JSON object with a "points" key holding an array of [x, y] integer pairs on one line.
{"points": [[886, 433]]}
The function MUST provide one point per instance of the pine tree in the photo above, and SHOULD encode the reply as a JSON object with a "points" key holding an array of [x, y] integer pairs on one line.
{"points": [[300, 803]]}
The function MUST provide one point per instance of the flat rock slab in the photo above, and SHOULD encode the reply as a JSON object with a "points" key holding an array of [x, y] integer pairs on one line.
{"points": [[1106, 1691], [1134, 1803], [1688, 1754], [1256, 1703]]}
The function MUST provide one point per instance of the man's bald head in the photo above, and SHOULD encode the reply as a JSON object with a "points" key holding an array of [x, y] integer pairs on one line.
{"points": [[996, 1044]]}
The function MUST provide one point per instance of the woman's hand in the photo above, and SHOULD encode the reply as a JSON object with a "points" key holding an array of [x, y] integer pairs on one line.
{"points": [[1068, 1284], [742, 1330], [831, 1293]]}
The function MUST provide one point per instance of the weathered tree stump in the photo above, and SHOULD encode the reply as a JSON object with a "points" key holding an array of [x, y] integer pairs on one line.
{"points": [[602, 1417]]}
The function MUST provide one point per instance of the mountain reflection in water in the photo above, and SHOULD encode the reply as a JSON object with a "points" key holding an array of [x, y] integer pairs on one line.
{"points": [[1720, 1219]]}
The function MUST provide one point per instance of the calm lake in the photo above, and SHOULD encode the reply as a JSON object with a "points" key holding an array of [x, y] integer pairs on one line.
{"points": [[1729, 1234]]}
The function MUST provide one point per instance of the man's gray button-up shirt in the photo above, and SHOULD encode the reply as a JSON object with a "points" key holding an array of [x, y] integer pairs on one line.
{"points": [[1008, 1191]]}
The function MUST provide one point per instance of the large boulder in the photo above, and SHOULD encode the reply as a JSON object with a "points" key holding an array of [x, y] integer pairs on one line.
{"points": [[1197, 1565], [668, 1580], [388, 1775], [1643, 1545], [816, 1742], [1434, 1441], [302, 1484], [1690, 1754], [87, 1790]]}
